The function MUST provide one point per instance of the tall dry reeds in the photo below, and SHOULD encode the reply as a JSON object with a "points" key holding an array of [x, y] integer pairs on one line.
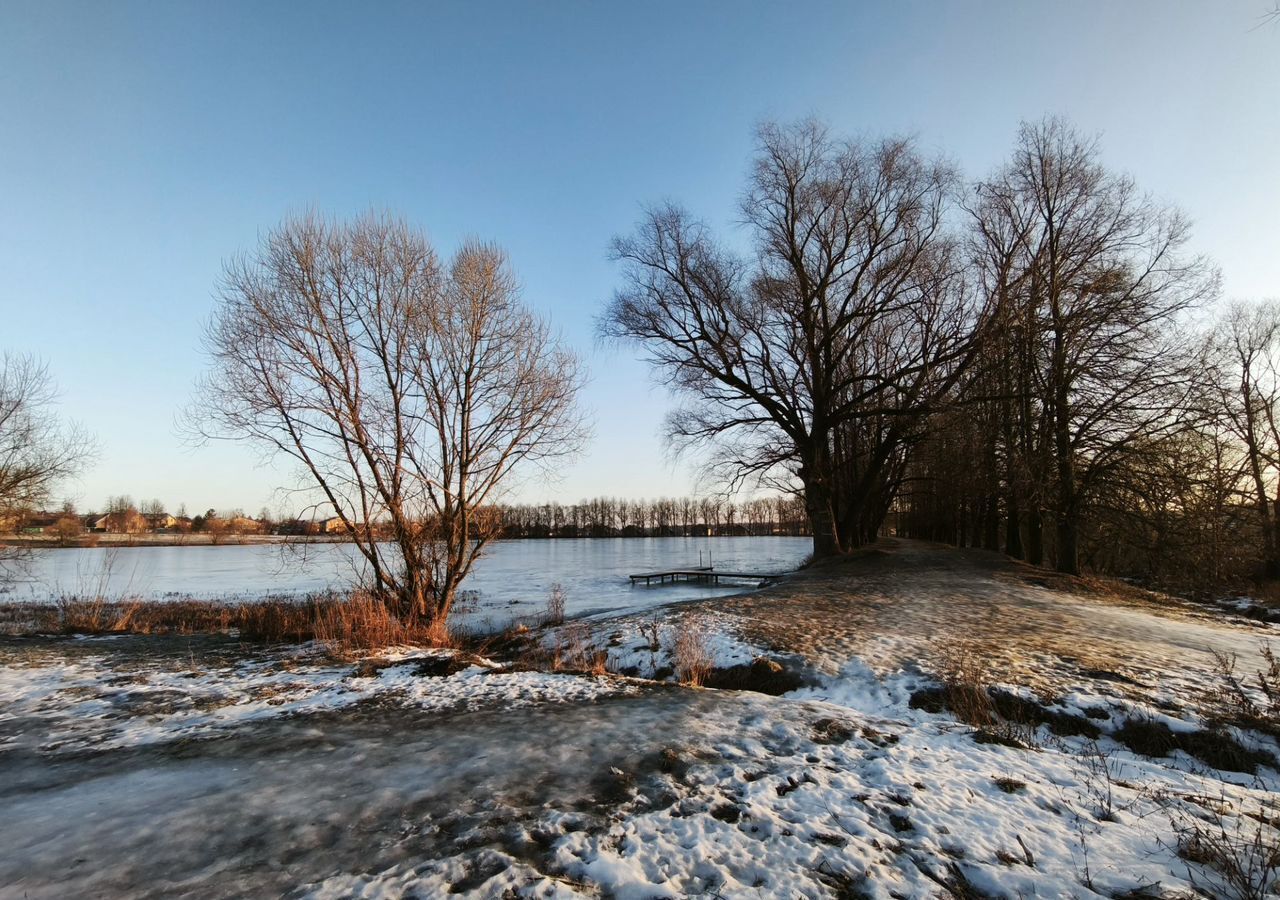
{"points": [[361, 623], [691, 653], [345, 623]]}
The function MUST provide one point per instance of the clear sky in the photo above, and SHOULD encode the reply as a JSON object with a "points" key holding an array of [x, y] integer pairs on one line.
{"points": [[141, 144]]}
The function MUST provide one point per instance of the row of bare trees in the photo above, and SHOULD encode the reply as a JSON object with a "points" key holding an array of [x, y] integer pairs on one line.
{"points": [[1083, 361], [1185, 498], [666, 516], [1013, 363], [1005, 362]]}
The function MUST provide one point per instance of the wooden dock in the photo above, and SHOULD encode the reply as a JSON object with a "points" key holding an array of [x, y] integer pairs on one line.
{"points": [[701, 575]]}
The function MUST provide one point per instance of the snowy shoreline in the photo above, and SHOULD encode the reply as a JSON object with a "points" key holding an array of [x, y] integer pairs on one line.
{"points": [[202, 765]]}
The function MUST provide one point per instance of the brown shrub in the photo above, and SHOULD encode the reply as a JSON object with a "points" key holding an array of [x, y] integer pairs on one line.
{"points": [[362, 622], [1244, 857], [691, 654], [346, 624], [1232, 702], [555, 605], [963, 673], [279, 620], [999, 716]]}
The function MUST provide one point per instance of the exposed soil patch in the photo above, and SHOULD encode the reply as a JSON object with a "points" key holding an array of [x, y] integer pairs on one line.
{"points": [[763, 675], [1214, 748], [1011, 708]]}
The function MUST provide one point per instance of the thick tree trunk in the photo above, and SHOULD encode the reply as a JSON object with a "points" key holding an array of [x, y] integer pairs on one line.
{"points": [[1013, 528], [991, 533], [1068, 549], [818, 497], [1271, 566], [1035, 537], [822, 520]]}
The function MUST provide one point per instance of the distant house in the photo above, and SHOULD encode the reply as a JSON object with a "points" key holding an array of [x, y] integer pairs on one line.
{"points": [[40, 523], [331, 525], [129, 521], [161, 521], [244, 525]]}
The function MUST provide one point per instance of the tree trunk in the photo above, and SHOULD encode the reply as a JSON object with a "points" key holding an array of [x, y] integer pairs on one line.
{"points": [[1271, 566], [1068, 550], [991, 533], [1067, 514], [1035, 537], [816, 475], [1013, 529], [817, 500]]}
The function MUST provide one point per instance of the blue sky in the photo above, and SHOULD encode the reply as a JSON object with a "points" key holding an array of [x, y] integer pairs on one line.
{"points": [[141, 144]]}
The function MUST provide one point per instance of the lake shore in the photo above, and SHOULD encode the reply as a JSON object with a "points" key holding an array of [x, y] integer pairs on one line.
{"points": [[104, 539], [230, 768]]}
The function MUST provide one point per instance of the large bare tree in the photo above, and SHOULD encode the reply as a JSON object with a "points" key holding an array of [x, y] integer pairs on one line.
{"points": [[1242, 376], [812, 359], [38, 451], [1092, 280], [408, 391]]}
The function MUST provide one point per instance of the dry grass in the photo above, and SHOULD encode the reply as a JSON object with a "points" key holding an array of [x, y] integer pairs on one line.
{"points": [[1243, 702], [97, 616], [998, 715], [962, 669], [574, 651], [1240, 861], [362, 622], [345, 624], [691, 654], [555, 605]]}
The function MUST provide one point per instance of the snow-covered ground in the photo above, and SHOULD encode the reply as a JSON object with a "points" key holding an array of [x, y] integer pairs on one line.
{"points": [[155, 766]]}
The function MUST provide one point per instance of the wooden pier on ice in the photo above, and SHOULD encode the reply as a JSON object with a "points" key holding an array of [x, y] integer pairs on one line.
{"points": [[702, 575]]}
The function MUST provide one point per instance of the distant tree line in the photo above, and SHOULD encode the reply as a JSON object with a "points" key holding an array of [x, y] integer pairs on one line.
{"points": [[1019, 363], [664, 517]]}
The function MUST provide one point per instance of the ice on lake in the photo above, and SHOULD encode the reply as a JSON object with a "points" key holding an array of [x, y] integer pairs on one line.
{"points": [[512, 580]]}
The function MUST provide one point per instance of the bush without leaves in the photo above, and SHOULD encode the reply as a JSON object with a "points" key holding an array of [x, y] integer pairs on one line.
{"points": [[1243, 702], [691, 654], [1239, 861]]}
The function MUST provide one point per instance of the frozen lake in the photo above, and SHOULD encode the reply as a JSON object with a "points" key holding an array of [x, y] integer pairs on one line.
{"points": [[513, 579]]}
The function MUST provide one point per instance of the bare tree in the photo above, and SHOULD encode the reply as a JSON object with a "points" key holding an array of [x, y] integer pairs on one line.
{"points": [[38, 451], [1241, 368], [808, 364], [1092, 282], [151, 508], [407, 391]]}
